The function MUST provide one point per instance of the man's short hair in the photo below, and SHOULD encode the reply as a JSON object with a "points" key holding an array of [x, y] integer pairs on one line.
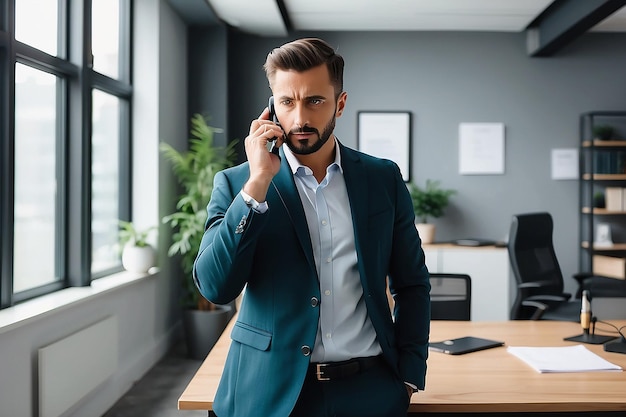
{"points": [[304, 54]]}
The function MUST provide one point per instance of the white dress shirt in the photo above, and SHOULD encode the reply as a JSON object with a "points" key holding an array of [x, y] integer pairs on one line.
{"points": [[344, 330]]}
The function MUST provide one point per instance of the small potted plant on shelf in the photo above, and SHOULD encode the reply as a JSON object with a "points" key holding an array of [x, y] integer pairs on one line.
{"points": [[137, 254], [195, 169], [428, 202], [603, 132], [598, 200]]}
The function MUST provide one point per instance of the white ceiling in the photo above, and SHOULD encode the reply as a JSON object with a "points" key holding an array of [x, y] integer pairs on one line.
{"points": [[263, 17]]}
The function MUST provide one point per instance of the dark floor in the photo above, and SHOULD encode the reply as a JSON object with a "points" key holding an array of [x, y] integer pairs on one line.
{"points": [[157, 393]]}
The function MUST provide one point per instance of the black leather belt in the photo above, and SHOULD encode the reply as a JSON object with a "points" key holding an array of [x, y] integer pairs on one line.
{"points": [[335, 370]]}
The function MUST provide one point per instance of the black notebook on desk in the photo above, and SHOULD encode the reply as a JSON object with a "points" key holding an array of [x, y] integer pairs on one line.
{"points": [[463, 345]]}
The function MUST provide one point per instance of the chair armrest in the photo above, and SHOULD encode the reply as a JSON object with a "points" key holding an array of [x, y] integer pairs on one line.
{"points": [[542, 284], [534, 284], [580, 277], [540, 308], [548, 298], [604, 287]]}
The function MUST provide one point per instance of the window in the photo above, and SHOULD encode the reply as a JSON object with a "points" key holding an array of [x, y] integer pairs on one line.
{"points": [[105, 195], [106, 37], [64, 142], [35, 178], [35, 24]]}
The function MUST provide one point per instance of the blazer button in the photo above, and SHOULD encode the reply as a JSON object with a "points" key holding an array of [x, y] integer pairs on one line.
{"points": [[306, 350], [314, 302]]}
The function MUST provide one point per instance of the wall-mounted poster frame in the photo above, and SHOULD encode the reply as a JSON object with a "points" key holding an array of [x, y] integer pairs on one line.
{"points": [[386, 134]]}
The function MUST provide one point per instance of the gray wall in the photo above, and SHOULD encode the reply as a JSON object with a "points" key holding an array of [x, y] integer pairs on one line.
{"points": [[445, 78]]}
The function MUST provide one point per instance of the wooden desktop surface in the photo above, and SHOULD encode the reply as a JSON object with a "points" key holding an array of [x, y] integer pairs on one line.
{"points": [[492, 380]]}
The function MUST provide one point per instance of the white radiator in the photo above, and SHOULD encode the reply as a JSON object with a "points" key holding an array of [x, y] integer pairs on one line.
{"points": [[72, 367]]}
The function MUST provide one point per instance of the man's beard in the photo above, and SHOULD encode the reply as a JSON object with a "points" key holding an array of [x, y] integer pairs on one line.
{"points": [[305, 147]]}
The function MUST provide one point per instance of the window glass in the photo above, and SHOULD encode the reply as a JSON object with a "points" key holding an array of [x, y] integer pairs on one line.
{"points": [[105, 181], [36, 24], [35, 178], [106, 36]]}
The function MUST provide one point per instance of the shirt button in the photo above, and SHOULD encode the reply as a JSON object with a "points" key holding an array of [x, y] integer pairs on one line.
{"points": [[327, 292], [306, 350], [328, 336], [314, 302], [324, 222]]}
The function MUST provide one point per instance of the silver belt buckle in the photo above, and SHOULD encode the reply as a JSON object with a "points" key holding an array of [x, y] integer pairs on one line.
{"points": [[320, 372]]}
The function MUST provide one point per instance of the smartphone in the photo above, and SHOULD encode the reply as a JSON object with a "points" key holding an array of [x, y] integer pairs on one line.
{"points": [[271, 144]]}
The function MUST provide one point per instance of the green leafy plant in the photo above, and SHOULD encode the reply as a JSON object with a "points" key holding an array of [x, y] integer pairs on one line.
{"points": [[194, 170], [129, 234], [603, 132], [429, 201], [599, 200]]}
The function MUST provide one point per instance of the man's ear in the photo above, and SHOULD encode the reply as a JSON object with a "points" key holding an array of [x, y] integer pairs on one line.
{"points": [[341, 103]]}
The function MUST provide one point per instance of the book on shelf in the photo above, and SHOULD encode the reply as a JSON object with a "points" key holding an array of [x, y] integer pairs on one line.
{"points": [[614, 198], [609, 162], [609, 266]]}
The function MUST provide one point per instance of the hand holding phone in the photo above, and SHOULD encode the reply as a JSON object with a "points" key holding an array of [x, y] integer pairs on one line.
{"points": [[271, 143]]}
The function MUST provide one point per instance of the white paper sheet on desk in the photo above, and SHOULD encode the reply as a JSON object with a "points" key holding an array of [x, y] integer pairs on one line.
{"points": [[562, 359]]}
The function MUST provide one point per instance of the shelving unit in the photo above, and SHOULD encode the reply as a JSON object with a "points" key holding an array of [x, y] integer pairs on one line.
{"points": [[602, 170]]}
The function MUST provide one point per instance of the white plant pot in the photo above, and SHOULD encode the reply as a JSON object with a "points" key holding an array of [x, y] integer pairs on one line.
{"points": [[426, 232], [138, 259]]}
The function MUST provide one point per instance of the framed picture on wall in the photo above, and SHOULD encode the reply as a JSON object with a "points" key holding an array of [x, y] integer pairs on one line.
{"points": [[386, 134]]}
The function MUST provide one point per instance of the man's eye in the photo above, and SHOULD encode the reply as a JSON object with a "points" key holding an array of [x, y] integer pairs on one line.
{"points": [[316, 101]]}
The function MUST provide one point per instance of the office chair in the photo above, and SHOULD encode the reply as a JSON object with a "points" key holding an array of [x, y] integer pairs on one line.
{"points": [[608, 297], [537, 272], [450, 296]]}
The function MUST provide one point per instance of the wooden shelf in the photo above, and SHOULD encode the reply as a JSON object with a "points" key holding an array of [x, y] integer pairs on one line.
{"points": [[613, 247], [605, 143], [603, 212], [605, 177], [602, 168]]}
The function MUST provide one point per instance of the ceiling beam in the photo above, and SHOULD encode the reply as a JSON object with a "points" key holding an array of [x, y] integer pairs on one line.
{"points": [[285, 15], [565, 20]]}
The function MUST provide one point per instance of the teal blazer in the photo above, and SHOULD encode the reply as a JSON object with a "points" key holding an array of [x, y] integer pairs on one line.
{"points": [[271, 253]]}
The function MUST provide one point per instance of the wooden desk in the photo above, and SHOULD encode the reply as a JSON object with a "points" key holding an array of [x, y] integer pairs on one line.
{"points": [[491, 381]]}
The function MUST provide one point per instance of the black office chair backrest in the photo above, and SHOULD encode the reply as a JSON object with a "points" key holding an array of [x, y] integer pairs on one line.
{"points": [[531, 251], [533, 261], [450, 296]]}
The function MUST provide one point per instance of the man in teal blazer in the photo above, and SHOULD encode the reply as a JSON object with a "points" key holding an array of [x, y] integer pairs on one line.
{"points": [[313, 235]]}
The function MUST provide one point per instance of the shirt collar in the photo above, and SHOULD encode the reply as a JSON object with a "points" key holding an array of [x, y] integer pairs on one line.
{"points": [[294, 164]]}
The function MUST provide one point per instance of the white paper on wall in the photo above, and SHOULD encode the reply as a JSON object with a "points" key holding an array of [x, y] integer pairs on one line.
{"points": [[481, 148]]}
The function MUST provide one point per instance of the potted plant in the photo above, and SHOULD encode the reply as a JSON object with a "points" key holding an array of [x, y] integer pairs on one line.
{"points": [[195, 169], [137, 254], [603, 132], [428, 202], [599, 200]]}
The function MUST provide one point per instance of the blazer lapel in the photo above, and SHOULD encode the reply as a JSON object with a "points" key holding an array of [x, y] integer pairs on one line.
{"points": [[358, 193], [284, 189]]}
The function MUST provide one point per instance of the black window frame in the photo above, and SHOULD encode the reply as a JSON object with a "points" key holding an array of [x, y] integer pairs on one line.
{"points": [[73, 66]]}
